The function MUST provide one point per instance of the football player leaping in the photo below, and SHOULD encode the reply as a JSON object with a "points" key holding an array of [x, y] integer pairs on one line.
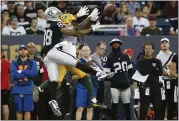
{"points": [[58, 52]]}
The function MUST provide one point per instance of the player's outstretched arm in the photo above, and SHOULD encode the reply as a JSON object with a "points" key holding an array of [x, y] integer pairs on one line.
{"points": [[72, 32], [87, 22]]}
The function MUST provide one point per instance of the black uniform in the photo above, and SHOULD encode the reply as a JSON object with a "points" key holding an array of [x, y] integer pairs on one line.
{"points": [[122, 67], [52, 35], [150, 90], [120, 83]]}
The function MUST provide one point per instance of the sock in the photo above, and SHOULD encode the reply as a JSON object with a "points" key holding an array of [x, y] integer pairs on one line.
{"points": [[86, 81], [53, 89], [114, 111], [85, 68], [127, 111], [44, 84]]}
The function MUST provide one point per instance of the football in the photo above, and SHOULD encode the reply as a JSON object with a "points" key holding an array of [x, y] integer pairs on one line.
{"points": [[109, 9]]}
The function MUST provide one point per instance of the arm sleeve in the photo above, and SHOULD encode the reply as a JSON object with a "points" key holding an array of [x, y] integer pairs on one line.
{"points": [[15, 74], [33, 72]]}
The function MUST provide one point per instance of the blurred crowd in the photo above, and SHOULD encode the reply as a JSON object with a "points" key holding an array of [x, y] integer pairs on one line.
{"points": [[146, 18]]}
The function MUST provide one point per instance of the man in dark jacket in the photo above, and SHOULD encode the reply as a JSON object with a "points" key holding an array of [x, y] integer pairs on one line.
{"points": [[23, 71], [150, 89]]}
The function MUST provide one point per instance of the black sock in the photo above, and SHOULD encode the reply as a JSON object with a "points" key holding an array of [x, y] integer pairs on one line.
{"points": [[127, 111], [114, 111], [85, 68], [53, 89]]}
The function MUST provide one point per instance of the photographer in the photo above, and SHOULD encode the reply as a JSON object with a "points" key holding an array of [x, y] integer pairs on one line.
{"points": [[150, 90], [120, 64]]}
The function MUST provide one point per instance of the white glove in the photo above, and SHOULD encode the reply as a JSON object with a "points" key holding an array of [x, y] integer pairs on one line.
{"points": [[19, 71], [83, 11], [94, 15], [96, 26]]}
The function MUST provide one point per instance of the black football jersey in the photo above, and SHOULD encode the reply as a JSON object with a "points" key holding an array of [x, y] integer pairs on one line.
{"points": [[52, 35], [119, 65]]}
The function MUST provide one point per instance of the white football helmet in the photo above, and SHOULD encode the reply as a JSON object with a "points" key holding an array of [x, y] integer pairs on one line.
{"points": [[53, 14]]}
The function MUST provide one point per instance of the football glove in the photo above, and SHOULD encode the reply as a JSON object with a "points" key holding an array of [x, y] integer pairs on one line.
{"points": [[83, 11]]}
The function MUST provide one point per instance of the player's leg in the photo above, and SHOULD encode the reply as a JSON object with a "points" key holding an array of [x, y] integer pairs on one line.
{"points": [[125, 97], [53, 73], [86, 79], [61, 57], [37, 90]]}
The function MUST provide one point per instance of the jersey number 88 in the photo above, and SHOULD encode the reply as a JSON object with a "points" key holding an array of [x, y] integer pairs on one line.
{"points": [[47, 37]]}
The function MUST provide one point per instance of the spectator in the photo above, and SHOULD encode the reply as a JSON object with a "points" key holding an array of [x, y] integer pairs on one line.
{"points": [[3, 6], [83, 99], [145, 11], [132, 7], [100, 51], [11, 8], [122, 15], [5, 85], [152, 29], [171, 12], [13, 28], [138, 21], [30, 11], [31, 49], [33, 30], [154, 10], [62, 6], [23, 70], [131, 31], [5, 18], [99, 59], [23, 20], [41, 19]]}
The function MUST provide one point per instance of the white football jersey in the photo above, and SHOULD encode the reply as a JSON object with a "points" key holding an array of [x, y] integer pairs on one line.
{"points": [[140, 24], [8, 30]]}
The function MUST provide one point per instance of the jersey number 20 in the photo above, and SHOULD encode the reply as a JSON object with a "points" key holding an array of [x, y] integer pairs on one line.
{"points": [[47, 37], [120, 66]]}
